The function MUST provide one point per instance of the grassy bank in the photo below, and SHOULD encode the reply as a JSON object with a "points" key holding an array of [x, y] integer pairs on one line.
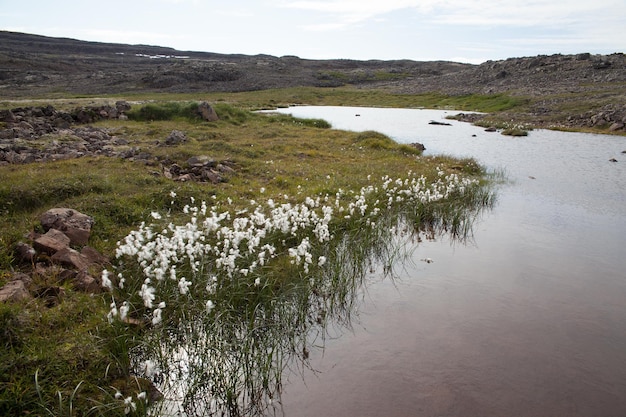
{"points": [[343, 96], [67, 359]]}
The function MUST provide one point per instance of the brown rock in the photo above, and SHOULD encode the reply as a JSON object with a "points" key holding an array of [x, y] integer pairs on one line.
{"points": [[212, 176], [225, 169], [71, 259], [86, 283], [25, 278], [67, 275], [25, 252], [207, 112], [14, 291], [52, 242], [75, 225], [93, 256], [122, 106], [185, 178], [176, 137], [201, 161]]}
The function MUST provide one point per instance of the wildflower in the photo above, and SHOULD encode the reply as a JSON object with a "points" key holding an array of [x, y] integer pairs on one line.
{"points": [[155, 215], [149, 368], [257, 282], [124, 310], [112, 313], [172, 194], [118, 395], [183, 286], [262, 190], [321, 260], [156, 316], [209, 306], [106, 282], [142, 396], [147, 293], [129, 405]]}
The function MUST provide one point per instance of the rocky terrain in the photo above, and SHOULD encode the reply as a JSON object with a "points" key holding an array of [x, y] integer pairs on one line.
{"points": [[582, 90], [40, 134]]}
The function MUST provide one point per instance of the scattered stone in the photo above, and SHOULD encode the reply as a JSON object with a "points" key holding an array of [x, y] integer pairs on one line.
{"points": [[93, 257], [201, 161], [185, 178], [200, 168], [207, 112], [612, 160], [53, 261], [39, 134], [52, 242], [71, 258], [418, 146], [434, 122], [75, 225], [211, 176], [25, 252], [122, 107], [86, 283], [67, 275], [14, 291], [225, 169], [175, 137], [491, 129]]}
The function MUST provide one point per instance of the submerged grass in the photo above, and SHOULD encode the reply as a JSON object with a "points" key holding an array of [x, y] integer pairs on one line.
{"points": [[66, 359]]}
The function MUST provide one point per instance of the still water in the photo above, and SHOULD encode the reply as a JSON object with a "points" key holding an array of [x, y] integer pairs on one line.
{"points": [[527, 319]]}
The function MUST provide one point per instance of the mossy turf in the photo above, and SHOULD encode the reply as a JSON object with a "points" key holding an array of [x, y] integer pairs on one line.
{"points": [[65, 359]]}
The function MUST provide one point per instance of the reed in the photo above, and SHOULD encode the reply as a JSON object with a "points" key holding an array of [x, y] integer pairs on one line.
{"points": [[230, 297]]}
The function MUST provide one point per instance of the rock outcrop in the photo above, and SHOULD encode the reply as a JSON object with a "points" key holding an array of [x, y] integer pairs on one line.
{"points": [[58, 256], [41, 134]]}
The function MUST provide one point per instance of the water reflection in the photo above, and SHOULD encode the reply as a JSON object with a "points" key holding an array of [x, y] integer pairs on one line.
{"points": [[228, 358], [528, 320]]}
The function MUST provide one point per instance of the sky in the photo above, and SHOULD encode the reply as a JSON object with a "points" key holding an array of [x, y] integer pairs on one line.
{"points": [[471, 31]]}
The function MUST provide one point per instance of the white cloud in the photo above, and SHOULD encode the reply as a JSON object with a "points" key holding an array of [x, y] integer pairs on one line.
{"points": [[464, 12]]}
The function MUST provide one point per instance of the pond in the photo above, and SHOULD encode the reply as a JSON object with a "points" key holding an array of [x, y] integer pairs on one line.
{"points": [[526, 319]]}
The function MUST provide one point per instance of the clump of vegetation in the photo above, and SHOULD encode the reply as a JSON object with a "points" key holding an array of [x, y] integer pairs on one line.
{"points": [[165, 111], [240, 291], [507, 128], [67, 359], [514, 131]]}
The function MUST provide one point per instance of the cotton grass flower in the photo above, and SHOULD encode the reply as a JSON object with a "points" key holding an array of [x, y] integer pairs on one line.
{"points": [[106, 282], [199, 272], [237, 246], [129, 405]]}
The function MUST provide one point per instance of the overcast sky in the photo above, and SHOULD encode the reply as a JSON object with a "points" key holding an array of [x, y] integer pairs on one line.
{"points": [[454, 30]]}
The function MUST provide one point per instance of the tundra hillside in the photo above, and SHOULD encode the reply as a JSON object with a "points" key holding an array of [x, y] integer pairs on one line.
{"points": [[582, 92]]}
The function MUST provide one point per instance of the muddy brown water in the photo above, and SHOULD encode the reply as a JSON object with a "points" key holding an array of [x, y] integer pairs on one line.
{"points": [[526, 319]]}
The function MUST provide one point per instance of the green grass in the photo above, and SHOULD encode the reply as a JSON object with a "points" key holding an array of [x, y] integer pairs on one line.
{"points": [[79, 359], [172, 103]]}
